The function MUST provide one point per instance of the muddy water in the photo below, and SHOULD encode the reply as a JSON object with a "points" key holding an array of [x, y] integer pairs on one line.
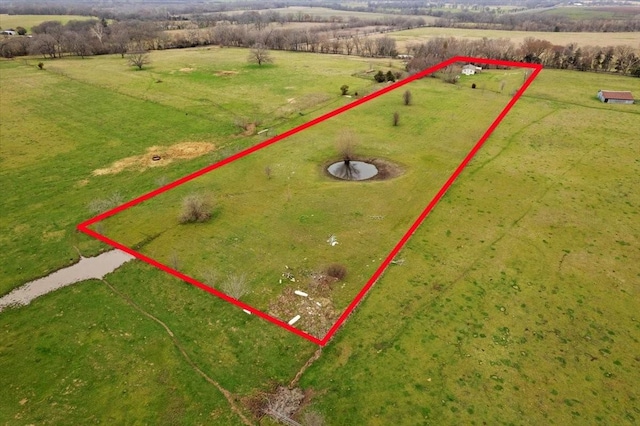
{"points": [[87, 268]]}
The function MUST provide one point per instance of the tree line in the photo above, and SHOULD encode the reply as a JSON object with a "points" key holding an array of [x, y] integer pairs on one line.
{"points": [[621, 59], [95, 37]]}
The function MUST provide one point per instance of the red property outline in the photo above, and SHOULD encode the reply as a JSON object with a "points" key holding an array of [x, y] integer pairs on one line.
{"points": [[84, 226]]}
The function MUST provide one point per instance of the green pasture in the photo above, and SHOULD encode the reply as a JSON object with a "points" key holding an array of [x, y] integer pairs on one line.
{"points": [[267, 225], [29, 21], [516, 299], [61, 124]]}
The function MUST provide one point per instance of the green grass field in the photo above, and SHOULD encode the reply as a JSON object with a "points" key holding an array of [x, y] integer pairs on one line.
{"points": [[517, 298], [29, 21], [285, 218]]}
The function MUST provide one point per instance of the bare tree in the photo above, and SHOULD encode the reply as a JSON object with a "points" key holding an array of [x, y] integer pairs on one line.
{"points": [[346, 144], [259, 54], [407, 97], [236, 286], [139, 59]]}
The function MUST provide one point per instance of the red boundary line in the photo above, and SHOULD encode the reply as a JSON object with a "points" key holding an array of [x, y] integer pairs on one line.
{"points": [[84, 226]]}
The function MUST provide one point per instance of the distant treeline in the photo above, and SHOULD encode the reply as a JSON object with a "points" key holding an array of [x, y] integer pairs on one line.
{"points": [[95, 37], [467, 14]]}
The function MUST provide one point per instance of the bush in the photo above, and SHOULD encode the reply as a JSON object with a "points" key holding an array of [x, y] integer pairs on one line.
{"points": [[390, 77], [396, 118], [195, 208], [337, 271], [236, 286], [380, 77], [344, 89], [406, 97]]}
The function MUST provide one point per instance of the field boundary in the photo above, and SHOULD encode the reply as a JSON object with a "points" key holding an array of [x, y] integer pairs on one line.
{"points": [[84, 226]]}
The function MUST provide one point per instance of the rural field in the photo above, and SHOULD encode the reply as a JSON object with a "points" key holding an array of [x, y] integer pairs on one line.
{"points": [[28, 21], [421, 35], [515, 302]]}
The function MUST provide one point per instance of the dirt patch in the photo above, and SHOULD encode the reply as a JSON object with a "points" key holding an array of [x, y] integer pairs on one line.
{"points": [[166, 154], [187, 69], [317, 314], [249, 129], [226, 73]]}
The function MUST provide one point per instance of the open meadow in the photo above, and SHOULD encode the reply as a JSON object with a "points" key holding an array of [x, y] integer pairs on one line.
{"points": [[515, 301], [421, 35], [29, 21]]}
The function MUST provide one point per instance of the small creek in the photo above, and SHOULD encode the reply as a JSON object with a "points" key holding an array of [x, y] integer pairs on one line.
{"points": [[87, 268]]}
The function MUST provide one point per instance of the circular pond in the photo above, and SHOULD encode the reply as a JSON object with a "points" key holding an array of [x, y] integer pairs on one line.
{"points": [[352, 170]]}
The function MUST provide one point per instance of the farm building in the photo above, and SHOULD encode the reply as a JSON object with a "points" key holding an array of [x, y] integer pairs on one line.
{"points": [[610, 97], [470, 69]]}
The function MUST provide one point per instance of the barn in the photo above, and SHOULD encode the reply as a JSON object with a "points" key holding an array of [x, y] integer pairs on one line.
{"points": [[611, 97]]}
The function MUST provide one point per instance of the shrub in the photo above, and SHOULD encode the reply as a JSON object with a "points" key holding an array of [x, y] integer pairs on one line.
{"points": [[344, 89], [396, 118], [406, 97], [195, 208], [390, 77], [337, 271], [41, 65], [380, 77], [103, 204], [236, 286]]}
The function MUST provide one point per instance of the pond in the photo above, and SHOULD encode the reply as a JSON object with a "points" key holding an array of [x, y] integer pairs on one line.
{"points": [[352, 170]]}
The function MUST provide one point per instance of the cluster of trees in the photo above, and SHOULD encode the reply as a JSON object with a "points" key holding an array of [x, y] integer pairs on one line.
{"points": [[51, 39], [621, 59]]}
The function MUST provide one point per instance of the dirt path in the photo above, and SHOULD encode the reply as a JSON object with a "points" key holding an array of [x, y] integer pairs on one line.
{"points": [[228, 395]]}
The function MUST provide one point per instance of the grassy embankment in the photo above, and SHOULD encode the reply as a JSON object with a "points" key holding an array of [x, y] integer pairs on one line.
{"points": [[517, 297]]}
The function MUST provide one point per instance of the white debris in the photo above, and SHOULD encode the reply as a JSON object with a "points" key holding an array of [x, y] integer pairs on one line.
{"points": [[332, 240], [301, 293], [294, 320], [318, 303], [247, 311]]}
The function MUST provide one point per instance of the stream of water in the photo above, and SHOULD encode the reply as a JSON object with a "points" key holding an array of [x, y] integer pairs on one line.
{"points": [[87, 268]]}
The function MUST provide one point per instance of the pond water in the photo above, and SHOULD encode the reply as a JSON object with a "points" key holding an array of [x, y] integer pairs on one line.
{"points": [[87, 268], [352, 170]]}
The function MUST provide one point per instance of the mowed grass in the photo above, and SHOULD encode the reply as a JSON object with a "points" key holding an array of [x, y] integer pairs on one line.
{"points": [[265, 226], [61, 124], [422, 35], [29, 21], [518, 296], [516, 300]]}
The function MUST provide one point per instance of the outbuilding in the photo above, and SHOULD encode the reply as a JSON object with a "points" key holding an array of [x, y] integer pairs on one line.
{"points": [[470, 69], [611, 97]]}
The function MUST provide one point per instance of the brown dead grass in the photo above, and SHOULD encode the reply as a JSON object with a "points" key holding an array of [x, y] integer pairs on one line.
{"points": [[226, 73], [180, 151]]}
